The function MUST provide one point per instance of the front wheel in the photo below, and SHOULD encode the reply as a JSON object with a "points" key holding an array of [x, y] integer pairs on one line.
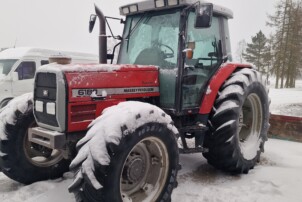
{"points": [[21, 160], [142, 167]]}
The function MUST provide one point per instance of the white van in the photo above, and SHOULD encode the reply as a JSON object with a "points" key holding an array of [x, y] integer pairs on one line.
{"points": [[18, 67]]}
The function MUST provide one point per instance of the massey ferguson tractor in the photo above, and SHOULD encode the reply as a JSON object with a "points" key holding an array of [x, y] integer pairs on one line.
{"points": [[172, 90]]}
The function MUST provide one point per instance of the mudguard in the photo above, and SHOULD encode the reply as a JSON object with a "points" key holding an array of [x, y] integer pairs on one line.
{"points": [[216, 82]]}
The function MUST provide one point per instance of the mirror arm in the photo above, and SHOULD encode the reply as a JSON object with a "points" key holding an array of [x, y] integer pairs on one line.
{"points": [[112, 35], [190, 7], [112, 57]]}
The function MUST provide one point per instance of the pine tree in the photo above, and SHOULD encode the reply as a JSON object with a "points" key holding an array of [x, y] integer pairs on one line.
{"points": [[287, 42], [255, 51]]}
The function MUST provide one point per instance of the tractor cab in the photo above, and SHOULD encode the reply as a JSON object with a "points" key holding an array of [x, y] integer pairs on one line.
{"points": [[188, 41]]}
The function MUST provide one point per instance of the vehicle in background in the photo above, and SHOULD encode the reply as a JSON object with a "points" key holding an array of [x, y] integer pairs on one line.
{"points": [[18, 67]]}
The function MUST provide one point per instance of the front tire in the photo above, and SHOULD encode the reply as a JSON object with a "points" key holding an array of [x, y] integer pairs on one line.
{"points": [[130, 153], [22, 160], [238, 123]]}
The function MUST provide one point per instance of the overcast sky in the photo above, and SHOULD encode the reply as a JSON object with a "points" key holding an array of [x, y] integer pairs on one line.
{"points": [[63, 24]]}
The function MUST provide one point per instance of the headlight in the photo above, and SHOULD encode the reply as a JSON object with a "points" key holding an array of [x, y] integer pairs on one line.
{"points": [[51, 108], [173, 2], [133, 8], [126, 10], [159, 3], [39, 106]]}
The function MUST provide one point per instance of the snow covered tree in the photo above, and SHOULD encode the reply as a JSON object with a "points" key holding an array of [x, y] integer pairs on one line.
{"points": [[241, 46], [287, 42]]}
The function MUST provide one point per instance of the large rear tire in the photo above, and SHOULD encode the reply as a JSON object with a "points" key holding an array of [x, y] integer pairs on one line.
{"points": [[238, 123], [24, 161], [133, 158]]}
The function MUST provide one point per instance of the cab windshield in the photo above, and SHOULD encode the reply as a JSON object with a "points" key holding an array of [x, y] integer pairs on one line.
{"points": [[151, 39], [6, 66]]}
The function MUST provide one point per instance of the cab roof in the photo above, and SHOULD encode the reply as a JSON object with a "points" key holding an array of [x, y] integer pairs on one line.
{"points": [[150, 5]]}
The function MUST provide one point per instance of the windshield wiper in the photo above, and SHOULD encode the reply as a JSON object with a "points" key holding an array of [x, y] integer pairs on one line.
{"points": [[133, 29]]}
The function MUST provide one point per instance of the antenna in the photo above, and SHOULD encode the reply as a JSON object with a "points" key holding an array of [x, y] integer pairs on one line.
{"points": [[15, 42]]}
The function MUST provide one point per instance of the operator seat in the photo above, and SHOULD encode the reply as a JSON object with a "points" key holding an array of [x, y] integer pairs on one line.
{"points": [[150, 56]]}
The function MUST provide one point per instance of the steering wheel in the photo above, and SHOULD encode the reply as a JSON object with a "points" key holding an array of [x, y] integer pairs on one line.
{"points": [[166, 55]]}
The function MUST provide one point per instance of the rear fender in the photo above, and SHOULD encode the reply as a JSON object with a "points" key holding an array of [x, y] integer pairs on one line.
{"points": [[216, 82]]}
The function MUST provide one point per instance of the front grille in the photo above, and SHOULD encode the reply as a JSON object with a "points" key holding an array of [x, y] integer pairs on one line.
{"points": [[46, 92]]}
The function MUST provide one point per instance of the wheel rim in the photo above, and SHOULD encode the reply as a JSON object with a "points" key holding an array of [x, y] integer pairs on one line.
{"points": [[39, 155], [250, 125], [145, 171]]}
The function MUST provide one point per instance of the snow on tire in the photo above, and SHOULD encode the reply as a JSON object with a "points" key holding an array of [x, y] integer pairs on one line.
{"points": [[129, 154], [20, 159], [238, 123]]}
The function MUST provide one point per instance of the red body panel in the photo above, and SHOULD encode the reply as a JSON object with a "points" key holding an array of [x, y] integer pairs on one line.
{"points": [[123, 78], [87, 116], [125, 83], [216, 82]]}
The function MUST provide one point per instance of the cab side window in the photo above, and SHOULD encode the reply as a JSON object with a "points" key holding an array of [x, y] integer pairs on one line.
{"points": [[26, 70]]}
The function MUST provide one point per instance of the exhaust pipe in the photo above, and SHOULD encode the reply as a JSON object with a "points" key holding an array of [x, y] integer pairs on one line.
{"points": [[102, 36]]}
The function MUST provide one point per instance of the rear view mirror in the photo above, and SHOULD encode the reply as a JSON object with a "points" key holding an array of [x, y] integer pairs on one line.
{"points": [[92, 22], [204, 14]]}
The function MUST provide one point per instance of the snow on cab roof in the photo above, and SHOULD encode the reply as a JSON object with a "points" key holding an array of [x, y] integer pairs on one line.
{"points": [[147, 5], [17, 53]]}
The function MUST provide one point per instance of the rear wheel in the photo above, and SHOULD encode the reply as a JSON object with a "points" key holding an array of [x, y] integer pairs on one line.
{"points": [[24, 161], [238, 123]]}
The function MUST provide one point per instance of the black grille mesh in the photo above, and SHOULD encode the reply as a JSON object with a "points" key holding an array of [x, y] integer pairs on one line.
{"points": [[46, 91]]}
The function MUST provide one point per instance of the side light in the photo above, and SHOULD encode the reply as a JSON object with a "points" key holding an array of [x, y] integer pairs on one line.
{"points": [[159, 3], [51, 108], [133, 8], [39, 106], [173, 2]]}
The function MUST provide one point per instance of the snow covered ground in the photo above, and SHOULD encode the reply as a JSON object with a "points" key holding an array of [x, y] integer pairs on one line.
{"points": [[287, 101], [277, 178]]}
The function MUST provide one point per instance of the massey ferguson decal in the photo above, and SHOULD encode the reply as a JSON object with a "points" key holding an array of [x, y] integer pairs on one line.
{"points": [[113, 91]]}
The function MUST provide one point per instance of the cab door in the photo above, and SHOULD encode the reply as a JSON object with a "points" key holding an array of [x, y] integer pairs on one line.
{"points": [[26, 73], [205, 61]]}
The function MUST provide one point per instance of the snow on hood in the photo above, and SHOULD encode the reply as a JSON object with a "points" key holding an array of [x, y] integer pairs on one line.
{"points": [[54, 67], [107, 129], [7, 113]]}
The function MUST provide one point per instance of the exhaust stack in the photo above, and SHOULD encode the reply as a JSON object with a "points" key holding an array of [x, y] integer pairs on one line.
{"points": [[102, 36]]}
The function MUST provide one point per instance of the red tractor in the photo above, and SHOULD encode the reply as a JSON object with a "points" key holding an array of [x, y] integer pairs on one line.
{"points": [[173, 90]]}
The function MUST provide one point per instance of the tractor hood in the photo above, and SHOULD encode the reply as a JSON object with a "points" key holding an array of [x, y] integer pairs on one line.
{"points": [[112, 81]]}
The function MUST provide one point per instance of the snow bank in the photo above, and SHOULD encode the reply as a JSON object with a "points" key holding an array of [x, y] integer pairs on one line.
{"points": [[287, 101], [7, 113], [126, 117]]}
